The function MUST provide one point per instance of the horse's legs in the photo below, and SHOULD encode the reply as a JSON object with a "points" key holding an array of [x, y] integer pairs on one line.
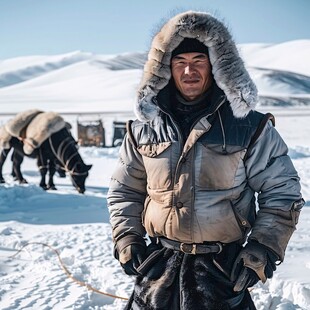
{"points": [[17, 159], [52, 170], [3, 156], [13, 170], [42, 165]]}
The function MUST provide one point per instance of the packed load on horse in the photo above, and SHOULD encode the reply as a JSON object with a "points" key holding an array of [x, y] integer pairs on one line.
{"points": [[44, 136]]}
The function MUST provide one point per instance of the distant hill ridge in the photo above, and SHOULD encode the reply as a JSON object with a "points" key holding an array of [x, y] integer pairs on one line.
{"points": [[280, 71]]}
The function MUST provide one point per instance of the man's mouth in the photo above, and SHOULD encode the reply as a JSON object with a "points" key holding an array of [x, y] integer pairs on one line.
{"points": [[191, 81]]}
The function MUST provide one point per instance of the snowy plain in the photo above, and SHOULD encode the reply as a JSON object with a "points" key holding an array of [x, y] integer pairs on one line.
{"points": [[78, 225]]}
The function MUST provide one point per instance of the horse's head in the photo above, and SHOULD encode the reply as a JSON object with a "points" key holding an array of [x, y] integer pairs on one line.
{"points": [[78, 175], [64, 148]]}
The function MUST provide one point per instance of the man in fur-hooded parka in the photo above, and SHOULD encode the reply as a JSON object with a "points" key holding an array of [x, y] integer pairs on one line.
{"points": [[189, 170]]}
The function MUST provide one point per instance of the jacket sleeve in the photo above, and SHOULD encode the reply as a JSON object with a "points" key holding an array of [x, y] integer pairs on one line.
{"points": [[272, 175], [126, 195]]}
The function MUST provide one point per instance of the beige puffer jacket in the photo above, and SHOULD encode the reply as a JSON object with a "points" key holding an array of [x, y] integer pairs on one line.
{"points": [[194, 192]]}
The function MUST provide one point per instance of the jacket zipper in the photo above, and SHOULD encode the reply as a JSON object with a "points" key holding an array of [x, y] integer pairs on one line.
{"points": [[192, 187]]}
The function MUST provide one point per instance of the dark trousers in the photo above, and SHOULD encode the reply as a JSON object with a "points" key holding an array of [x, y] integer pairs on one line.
{"points": [[172, 280]]}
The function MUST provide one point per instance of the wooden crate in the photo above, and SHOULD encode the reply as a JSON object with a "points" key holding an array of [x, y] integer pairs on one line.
{"points": [[91, 133]]}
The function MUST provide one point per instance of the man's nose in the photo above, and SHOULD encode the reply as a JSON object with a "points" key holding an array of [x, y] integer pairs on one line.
{"points": [[188, 69]]}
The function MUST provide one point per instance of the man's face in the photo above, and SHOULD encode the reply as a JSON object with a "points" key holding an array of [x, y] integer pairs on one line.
{"points": [[192, 74]]}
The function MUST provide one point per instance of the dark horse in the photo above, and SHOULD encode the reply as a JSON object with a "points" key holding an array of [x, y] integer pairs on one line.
{"points": [[59, 147]]}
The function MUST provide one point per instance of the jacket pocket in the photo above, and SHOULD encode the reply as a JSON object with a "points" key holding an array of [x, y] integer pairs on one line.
{"points": [[157, 163], [218, 222], [244, 224], [217, 170], [153, 150]]}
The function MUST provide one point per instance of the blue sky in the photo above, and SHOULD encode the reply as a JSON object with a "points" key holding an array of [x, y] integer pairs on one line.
{"points": [[40, 27]]}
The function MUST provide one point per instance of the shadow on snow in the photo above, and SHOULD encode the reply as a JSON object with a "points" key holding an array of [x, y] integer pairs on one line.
{"points": [[32, 205]]}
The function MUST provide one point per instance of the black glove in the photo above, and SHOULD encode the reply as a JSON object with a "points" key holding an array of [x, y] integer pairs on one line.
{"points": [[245, 278], [255, 262], [132, 257]]}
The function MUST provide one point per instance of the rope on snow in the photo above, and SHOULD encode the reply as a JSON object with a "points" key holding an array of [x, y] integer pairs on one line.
{"points": [[67, 272]]}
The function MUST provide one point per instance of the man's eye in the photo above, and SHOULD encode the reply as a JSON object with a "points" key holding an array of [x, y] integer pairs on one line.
{"points": [[179, 64], [202, 61]]}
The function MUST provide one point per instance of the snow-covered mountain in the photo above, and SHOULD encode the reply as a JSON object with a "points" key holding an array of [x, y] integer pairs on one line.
{"points": [[87, 82], [280, 71]]}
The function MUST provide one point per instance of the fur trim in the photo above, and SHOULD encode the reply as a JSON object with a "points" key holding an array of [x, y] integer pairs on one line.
{"points": [[41, 128], [21, 120], [174, 280], [227, 66]]}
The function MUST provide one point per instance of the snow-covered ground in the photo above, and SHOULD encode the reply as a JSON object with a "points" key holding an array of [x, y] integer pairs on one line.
{"points": [[76, 225]]}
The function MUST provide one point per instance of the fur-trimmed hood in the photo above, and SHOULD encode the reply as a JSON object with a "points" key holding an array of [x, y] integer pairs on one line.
{"points": [[227, 66]]}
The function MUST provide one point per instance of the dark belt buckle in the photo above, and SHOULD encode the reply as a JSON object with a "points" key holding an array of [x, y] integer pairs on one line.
{"points": [[188, 248]]}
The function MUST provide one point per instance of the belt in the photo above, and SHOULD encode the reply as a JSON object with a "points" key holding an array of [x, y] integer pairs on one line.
{"points": [[191, 248]]}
